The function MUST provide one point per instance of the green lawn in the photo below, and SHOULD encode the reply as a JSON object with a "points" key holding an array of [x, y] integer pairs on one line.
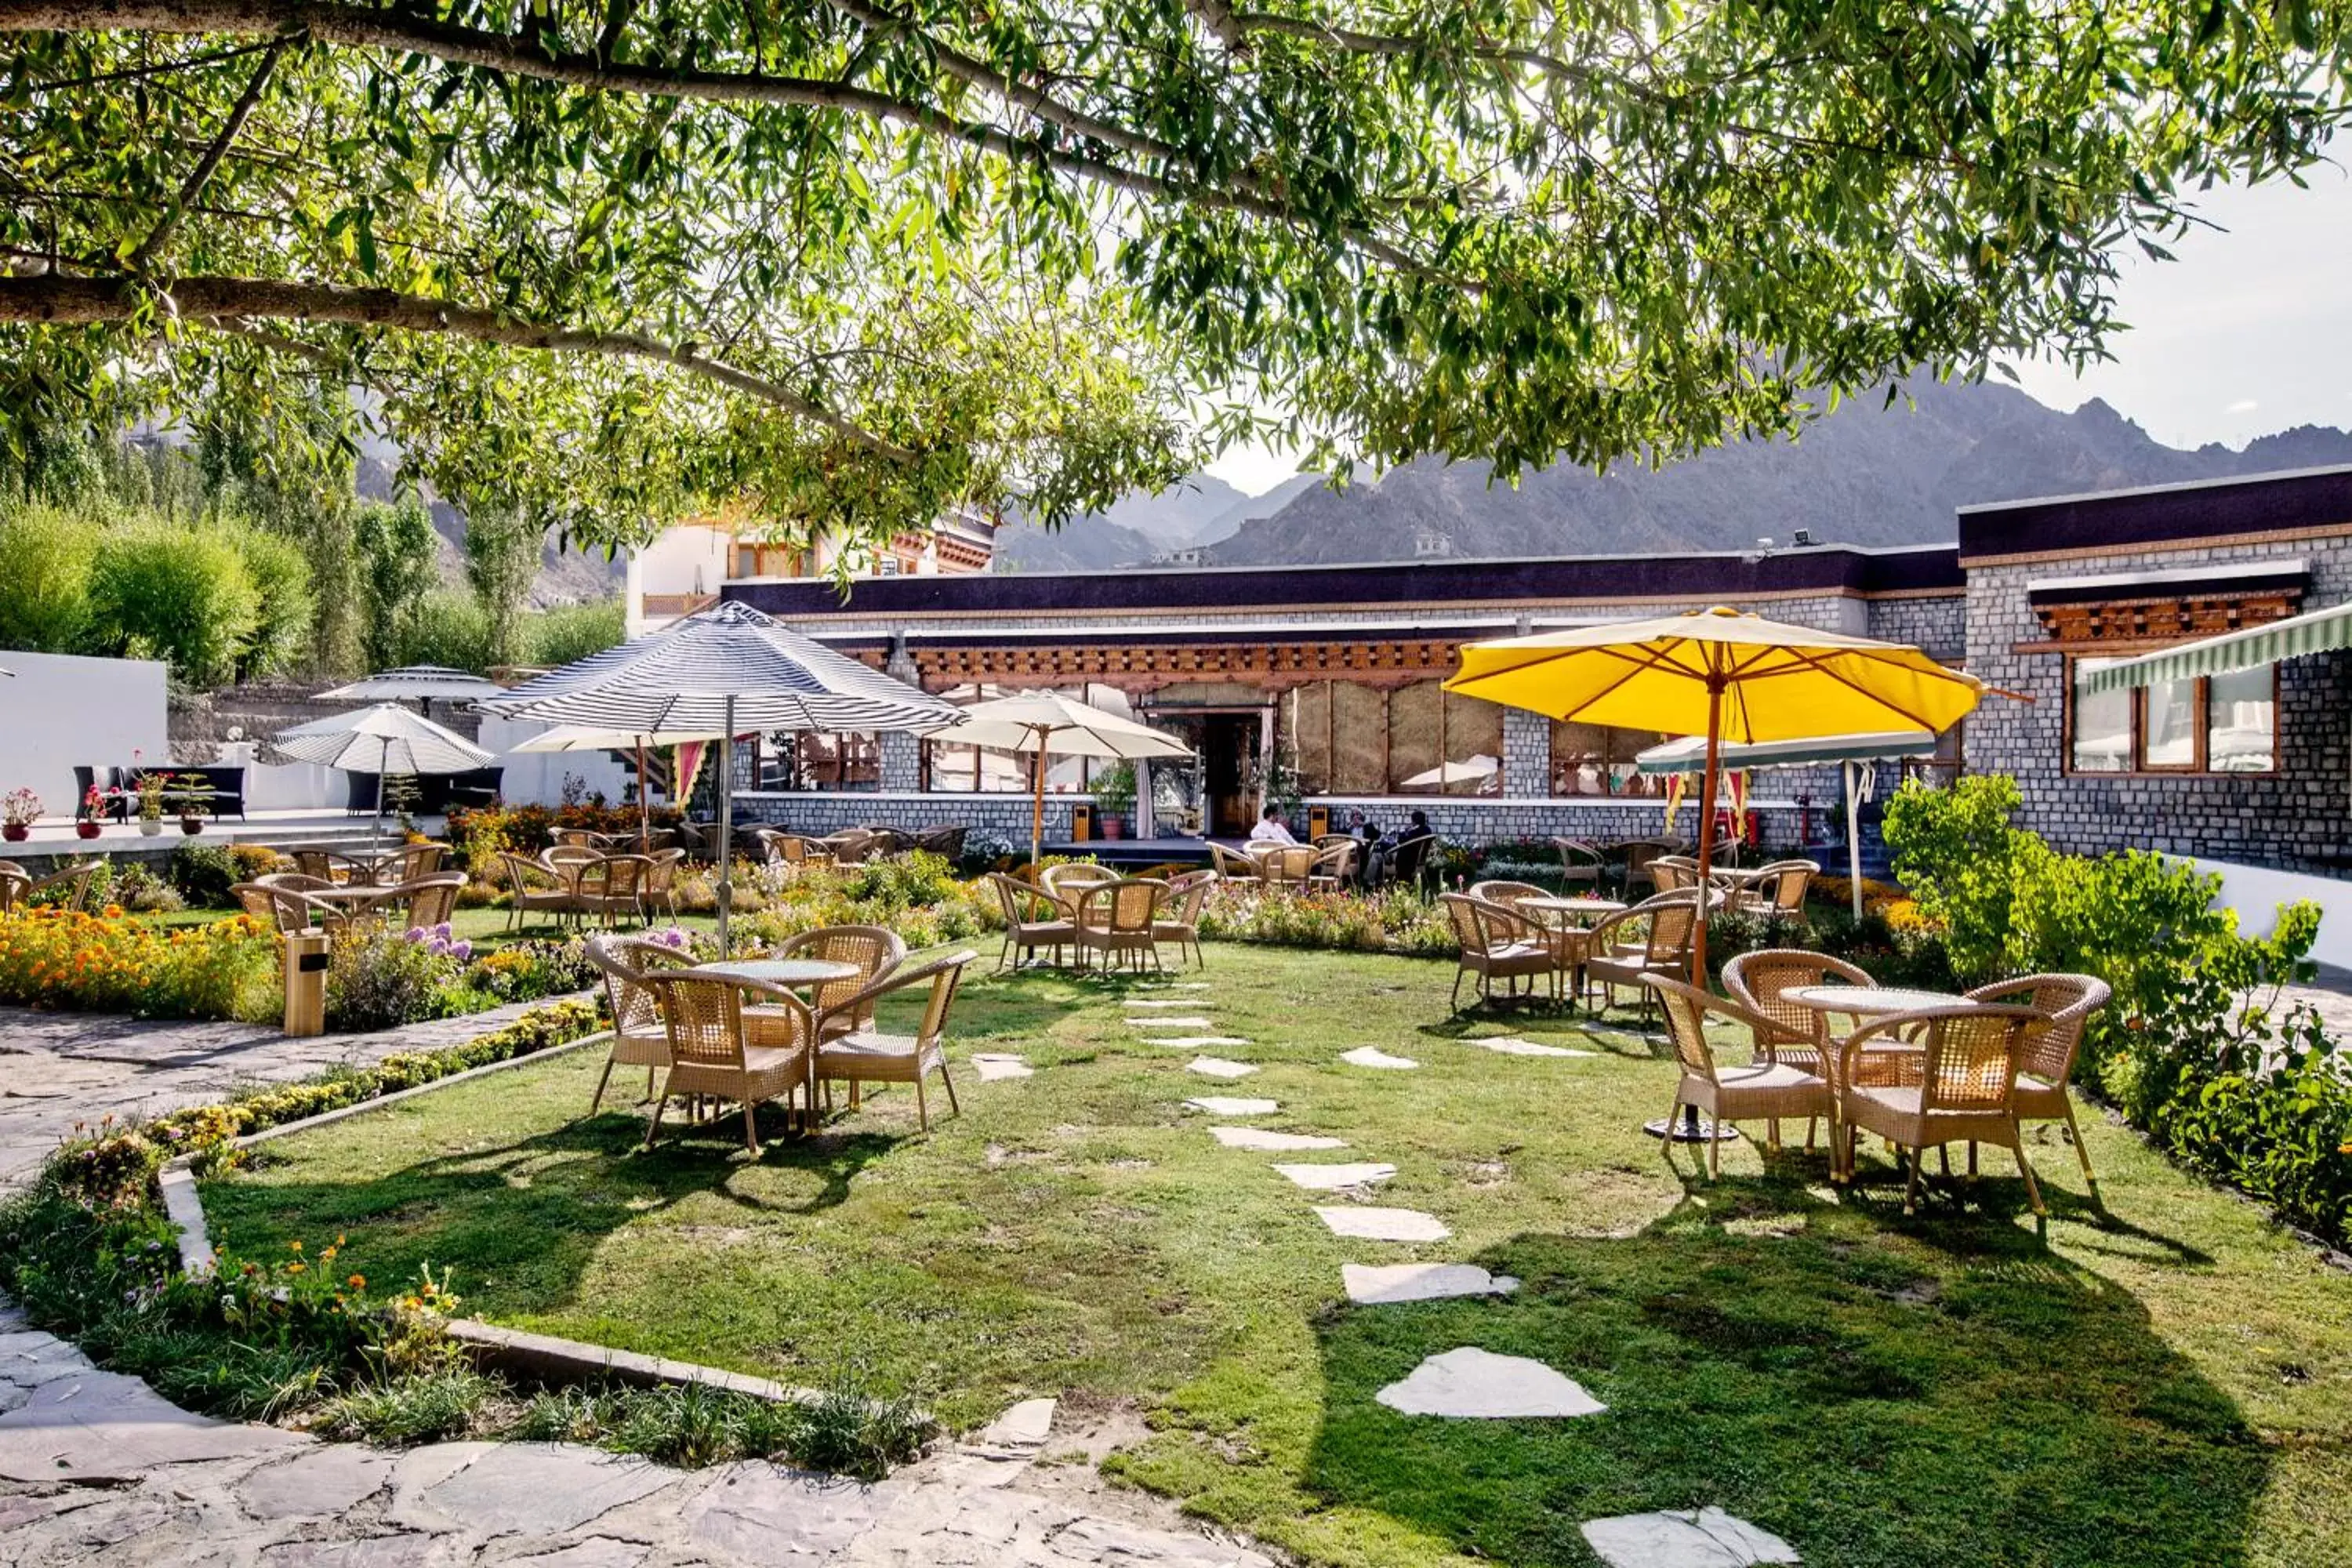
{"points": [[2170, 1385]]}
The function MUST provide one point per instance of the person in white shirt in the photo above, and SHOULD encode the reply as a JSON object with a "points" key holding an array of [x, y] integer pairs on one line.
{"points": [[1272, 829]]}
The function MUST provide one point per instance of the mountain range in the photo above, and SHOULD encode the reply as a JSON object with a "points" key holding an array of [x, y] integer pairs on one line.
{"points": [[1868, 473]]}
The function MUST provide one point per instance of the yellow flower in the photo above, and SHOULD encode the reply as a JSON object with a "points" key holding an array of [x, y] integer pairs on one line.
{"points": [[358, 1281]]}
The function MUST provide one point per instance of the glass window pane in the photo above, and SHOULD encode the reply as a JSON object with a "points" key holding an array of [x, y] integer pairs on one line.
{"points": [[2242, 711], [2101, 743], [2171, 725]]}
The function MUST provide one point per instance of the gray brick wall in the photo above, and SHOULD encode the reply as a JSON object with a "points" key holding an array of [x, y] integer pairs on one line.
{"points": [[2298, 819], [817, 814]]}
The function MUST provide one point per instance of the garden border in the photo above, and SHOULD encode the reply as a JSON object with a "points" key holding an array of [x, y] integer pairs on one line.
{"points": [[540, 1357]]}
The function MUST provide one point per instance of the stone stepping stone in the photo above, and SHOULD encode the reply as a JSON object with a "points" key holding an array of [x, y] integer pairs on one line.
{"points": [[1173, 1021], [1373, 1056], [1383, 1224], [536, 1488], [1472, 1385], [1195, 1042], [1019, 1432], [93, 1428], [1169, 1002], [1512, 1047], [1331, 1178], [1387, 1284], [1217, 1067], [1226, 1105], [1705, 1538], [995, 1065], [1272, 1142], [329, 1480]]}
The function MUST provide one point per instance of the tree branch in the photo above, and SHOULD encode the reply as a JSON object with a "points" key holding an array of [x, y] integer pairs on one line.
{"points": [[59, 301], [1354, 42], [193, 185], [1222, 21], [366, 27]]}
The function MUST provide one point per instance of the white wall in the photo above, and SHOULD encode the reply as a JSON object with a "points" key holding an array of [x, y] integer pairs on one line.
{"points": [[690, 558], [2257, 891], [537, 777], [62, 709]]}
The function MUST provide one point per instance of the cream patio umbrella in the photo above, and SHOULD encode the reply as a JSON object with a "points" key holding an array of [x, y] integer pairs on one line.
{"points": [[726, 671], [385, 739], [1041, 725], [564, 738], [1475, 768], [1723, 674]]}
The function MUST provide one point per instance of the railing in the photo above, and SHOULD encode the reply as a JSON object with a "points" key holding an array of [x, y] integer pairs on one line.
{"points": [[659, 606]]}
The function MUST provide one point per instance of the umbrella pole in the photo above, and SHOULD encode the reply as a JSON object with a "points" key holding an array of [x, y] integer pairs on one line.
{"points": [[1693, 1133], [726, 822], [1853, 835], [645, 833], [1037, 807]]}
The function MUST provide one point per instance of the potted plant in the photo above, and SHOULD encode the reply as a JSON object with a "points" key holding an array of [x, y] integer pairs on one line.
{"points": [[1114, 791], [190, 793], [93, 808], [19, 809], [151, 802]]}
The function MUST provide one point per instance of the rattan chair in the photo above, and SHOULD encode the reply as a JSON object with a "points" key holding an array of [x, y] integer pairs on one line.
{"points": [[848, 847], [640, 1038], [15, 885], [1289, 867], [1496, 944], [1653, 937], [1759, 1091], [1673, 873], [1333, 865], [409, 861], [430, 900], [2047, 1067], [794, 851], [660, 886], [1786, 1032], [1579, 863], [68, 886], [1034, 919], [526, 896], [1065, 882], [1231, 866], [1116, 918], [283, 901], [1777, 891], [874, 950], [720, 1047], [867, 1055], [1639, 854], [1178, 921], [613, 886], [1963, 1091]]}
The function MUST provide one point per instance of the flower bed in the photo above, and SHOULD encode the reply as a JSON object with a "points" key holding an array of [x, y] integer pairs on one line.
{"points": [[383, 976], [113, 962], [1396, 920]]}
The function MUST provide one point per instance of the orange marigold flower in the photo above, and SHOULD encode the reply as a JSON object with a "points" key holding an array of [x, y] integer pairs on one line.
{"points": [[358, 1281]]}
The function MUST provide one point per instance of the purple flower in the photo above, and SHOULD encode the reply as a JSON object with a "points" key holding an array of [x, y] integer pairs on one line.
{"points": [[461, 950], [416, 933], [443, 932]]}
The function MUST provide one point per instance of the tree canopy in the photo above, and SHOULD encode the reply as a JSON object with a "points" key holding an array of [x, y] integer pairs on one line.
{"points": [[851, 261]]}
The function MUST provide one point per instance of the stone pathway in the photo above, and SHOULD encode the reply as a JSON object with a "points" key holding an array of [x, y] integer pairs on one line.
{"points": [[1267, 1142], [1387, 1284], [1218, 1066], [1384, 1225], [1707, 1537], [1333, 1178], [993, 1066], [1173, 1021], [1225, 1105], [1511, 1046], [1195, 1042], [1373, 1056], [1472, 1385], [95, 1468], [59, 1068]]}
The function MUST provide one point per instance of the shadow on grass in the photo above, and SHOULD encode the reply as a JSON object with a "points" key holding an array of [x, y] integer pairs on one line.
{"points": [[1952, 1393]]}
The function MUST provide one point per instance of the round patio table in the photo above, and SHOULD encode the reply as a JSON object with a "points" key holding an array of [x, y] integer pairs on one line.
{"points": [[789, 971], [1861, 1002], [1565, 918]]}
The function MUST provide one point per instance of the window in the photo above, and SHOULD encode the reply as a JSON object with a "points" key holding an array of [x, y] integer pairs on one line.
{"points": [[1594, 759], [2217, 724]]}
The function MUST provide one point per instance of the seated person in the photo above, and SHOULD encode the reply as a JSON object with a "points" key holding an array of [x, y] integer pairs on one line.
{"points": [[1409, 855], [1272, 829]]}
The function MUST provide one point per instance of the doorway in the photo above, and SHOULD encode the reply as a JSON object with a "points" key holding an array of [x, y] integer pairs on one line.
{"points": [[1229, 773]]}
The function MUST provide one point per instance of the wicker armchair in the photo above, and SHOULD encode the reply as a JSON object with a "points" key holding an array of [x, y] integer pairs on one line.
{"points": [[1064, 883], [1760, 1091], [612, 886], [1115, 919], [2047, 1066], [68, 886], [1778, 890], [1232, 866], [640, 1038], [1333, 865], [944, 840], [430, 900], [848, 847], [1785, 1032], [1179, 920], [1673, 873], [661, 883], [1654, 937], [283, 899], [1639, 854], [1288, 866], [874, 950], [1580, 863], [411, 861], [1496, 944], [1034, 919], [718, 1046], [1968, 1057], [15, 885], [865, 1055], [528, 892]]}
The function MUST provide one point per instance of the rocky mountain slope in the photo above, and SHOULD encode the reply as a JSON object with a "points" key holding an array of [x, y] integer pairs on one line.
{"points": [[1867, 474]]}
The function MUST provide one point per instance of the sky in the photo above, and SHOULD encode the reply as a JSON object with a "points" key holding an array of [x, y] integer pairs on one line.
{"points": [[2248, 331]]}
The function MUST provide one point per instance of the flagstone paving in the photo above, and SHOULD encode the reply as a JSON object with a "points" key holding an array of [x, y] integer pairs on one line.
{"points": [[1195, 1042], [1705, 1538], [1331, 1178], [1218, 1066], [993, 1065], [1270, 1142], [1387, 1284], [1226, 1105], [99, 1470], [1384, 1225], [1373, 1056], [1470, 1384], [1167, 1002], [1173, 1021], [1510, 1047]]}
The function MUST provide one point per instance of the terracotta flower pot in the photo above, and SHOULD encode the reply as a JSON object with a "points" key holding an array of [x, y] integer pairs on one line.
{"points": [[13, 833], [192, 826], [84, 828]]}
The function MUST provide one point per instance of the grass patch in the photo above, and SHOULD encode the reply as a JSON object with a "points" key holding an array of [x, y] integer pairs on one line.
{"points": [[2167, 1384]]}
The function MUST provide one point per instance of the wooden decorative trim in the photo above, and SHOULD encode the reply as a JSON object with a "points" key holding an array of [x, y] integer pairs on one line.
{"points": [[2159, 619], [1138, 670]]}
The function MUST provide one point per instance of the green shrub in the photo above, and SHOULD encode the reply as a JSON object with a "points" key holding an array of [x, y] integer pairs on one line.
{"points": [[568, 632], [204, 873], [179, 595], [442, 627], [284, 605], [45, 555]]}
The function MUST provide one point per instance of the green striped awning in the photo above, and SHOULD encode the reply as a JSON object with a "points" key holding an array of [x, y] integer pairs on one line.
{"points": [[2319, 631]]}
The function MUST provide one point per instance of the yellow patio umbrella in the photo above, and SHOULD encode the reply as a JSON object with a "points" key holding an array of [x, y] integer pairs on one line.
{"points": [[1731, 677]]}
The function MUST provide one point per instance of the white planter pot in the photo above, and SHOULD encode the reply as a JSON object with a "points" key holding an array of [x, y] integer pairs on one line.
{"points": [[150, 826]]}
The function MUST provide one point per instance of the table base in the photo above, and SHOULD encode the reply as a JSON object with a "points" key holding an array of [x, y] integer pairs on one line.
{"points": [[1691, 1130]]}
